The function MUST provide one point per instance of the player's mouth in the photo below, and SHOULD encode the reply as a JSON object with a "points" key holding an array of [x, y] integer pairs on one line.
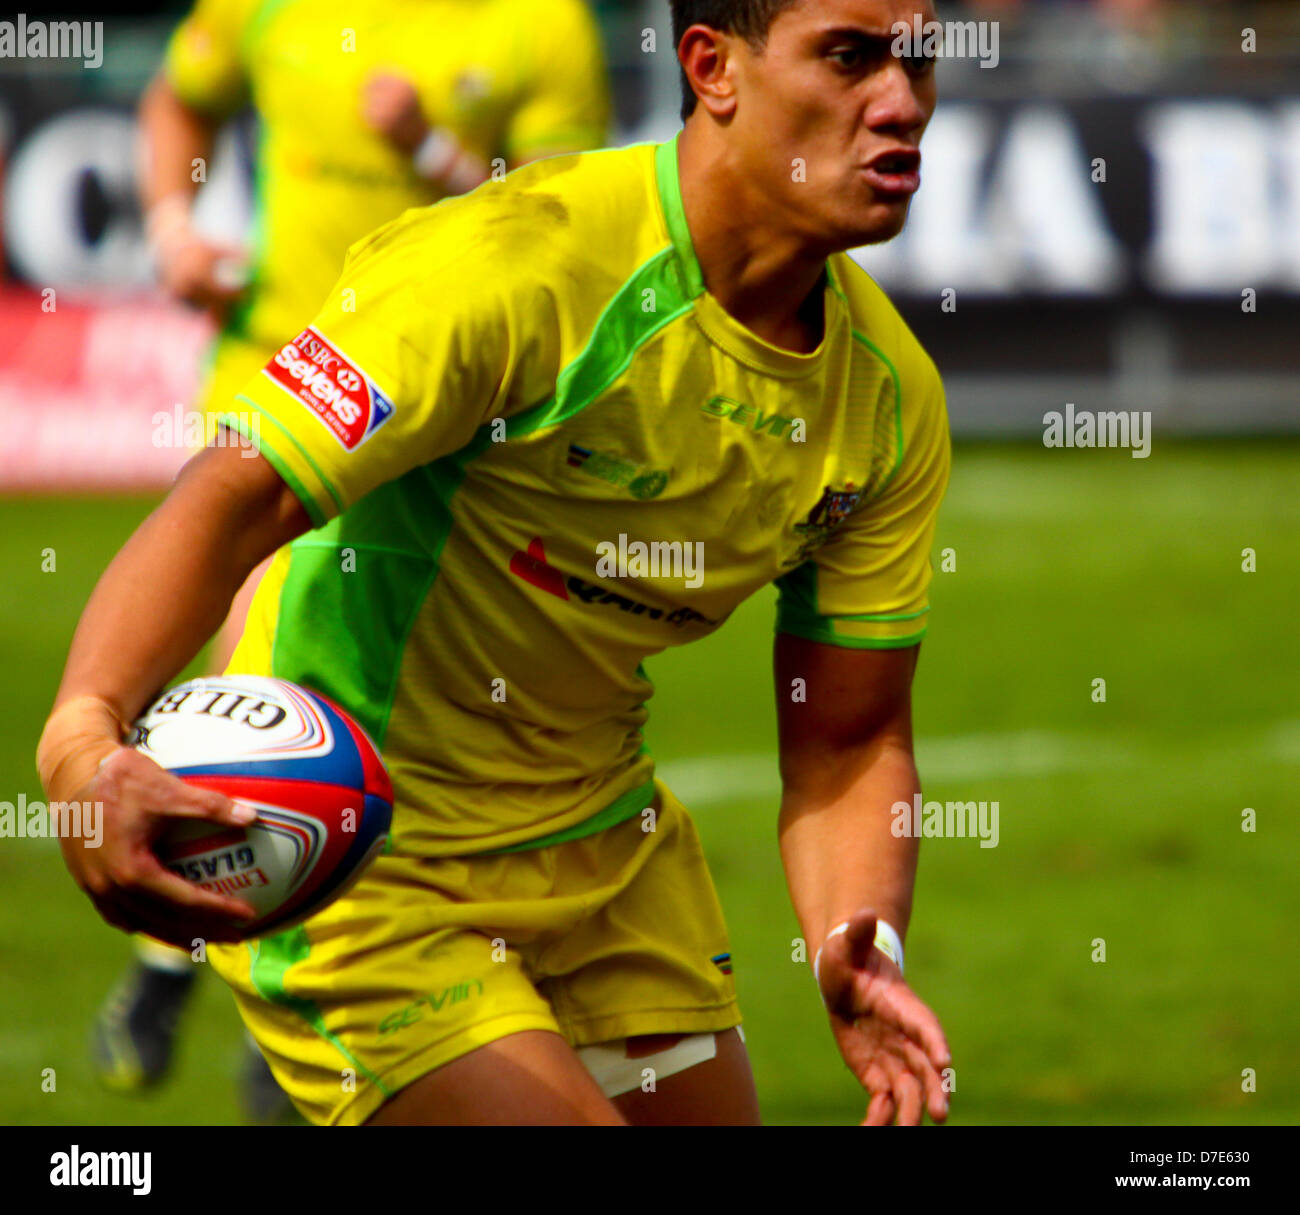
{"points": [[894, 173]]}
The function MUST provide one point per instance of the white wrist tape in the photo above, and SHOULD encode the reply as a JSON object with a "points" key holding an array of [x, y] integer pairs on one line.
{"points": [[435, 154], [887, 941], [817, 961], [167, 223]]}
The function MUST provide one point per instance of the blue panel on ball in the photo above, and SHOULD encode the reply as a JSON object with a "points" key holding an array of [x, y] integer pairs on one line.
{"points": [[376, 818]]}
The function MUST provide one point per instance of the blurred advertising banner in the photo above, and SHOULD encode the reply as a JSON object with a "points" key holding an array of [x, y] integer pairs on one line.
{"points": [[1140, 253], [97, 370], [94, 395], [1105, 199]]}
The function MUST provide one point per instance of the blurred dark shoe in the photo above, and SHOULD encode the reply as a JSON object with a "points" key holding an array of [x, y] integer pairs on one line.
{"points": [[135, 1031], [264, 1102]]}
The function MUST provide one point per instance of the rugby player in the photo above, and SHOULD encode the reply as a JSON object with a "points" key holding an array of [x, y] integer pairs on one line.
{"points": [[366, 108], [659, 344]]}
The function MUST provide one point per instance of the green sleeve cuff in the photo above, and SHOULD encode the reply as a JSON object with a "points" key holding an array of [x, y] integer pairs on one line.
{"points": [[822, 629]]}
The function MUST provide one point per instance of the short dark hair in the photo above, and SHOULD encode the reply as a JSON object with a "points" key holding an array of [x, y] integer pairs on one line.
{"points": [[749, 19]]}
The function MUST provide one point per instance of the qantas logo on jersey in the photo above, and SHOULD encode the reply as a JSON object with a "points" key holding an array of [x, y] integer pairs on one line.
{"points": [[534, 569], [336, 390]]}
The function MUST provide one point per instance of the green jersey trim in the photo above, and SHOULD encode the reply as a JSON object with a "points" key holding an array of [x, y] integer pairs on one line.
{"points": [[828, 636], [882, 615], [670, 197], [797, 613], [898, 408], [629, 805], [271, 958], [349, 632], [309, 502], [623, 327]]}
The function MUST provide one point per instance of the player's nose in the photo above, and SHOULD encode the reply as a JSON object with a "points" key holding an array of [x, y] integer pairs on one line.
{"points": [[899, 106]]}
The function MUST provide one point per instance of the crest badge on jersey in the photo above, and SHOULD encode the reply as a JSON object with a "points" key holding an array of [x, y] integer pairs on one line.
{"points": [[319, 375], [829, 511], [833, 507]]}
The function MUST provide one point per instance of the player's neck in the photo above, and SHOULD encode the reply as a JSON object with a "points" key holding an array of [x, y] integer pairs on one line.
{"points": [[761, 271]]}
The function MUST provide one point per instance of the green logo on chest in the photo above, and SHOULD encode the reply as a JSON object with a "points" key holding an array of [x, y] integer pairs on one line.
{"points": [[637, 479], [747, 416]]}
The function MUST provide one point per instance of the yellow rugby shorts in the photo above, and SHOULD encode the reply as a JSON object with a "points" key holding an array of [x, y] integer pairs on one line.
{"points": [[426, 959]]}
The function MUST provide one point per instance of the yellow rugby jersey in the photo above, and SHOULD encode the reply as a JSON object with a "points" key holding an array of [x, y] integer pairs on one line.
{"points": [[511, 78], [534, 384]]}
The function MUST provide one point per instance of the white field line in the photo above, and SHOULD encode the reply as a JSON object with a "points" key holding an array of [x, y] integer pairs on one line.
{"points": [[717, 779], [737, 776]]}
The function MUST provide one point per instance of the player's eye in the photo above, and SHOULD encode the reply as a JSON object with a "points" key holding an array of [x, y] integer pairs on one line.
{"points": [[919, 65], [848, 58]]}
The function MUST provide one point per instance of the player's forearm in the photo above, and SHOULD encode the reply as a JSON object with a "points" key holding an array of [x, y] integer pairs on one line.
{"points": [[162, 596], [838, 845], [174, 137], [169, 588]]}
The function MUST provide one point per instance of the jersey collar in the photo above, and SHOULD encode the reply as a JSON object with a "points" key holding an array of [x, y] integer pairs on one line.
{"points": [[718, 324]]}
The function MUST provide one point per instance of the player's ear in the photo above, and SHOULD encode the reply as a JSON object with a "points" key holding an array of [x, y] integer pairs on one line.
{"points": [[706, 56]]}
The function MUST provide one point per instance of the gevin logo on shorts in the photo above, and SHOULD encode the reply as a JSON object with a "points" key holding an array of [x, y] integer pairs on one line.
{"points": [[462, 989], [336, 390]]}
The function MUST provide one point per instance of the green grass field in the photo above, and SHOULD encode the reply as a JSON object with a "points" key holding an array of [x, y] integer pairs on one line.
{"points": [[1119, 820]]}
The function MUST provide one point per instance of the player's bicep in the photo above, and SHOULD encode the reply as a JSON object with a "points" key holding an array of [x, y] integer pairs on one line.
{"points": [[837, 708], [241, 497]]}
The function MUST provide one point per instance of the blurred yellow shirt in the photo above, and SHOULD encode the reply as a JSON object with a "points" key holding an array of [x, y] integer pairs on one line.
{"points": [[513, 79]]}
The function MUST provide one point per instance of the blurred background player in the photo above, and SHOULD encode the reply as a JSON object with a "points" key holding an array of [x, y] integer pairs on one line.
{"points": [[365, 108]]}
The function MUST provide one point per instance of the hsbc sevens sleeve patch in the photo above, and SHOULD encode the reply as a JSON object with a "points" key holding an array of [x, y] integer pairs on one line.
{"points": [[336, 390]]}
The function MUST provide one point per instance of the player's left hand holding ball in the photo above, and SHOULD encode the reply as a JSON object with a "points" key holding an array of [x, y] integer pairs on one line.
{"points": [[890, 1040], [82, 761]]}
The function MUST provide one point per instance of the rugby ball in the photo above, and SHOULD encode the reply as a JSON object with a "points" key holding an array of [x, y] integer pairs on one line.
{"points": [[324, 800]]}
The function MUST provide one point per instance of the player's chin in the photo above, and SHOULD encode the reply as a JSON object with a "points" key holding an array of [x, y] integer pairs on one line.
{"points": [[879, 220]]}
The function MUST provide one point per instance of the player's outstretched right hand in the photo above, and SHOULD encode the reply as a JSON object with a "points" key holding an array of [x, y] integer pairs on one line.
{"points": [[890, 1040], [126, 881]]}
